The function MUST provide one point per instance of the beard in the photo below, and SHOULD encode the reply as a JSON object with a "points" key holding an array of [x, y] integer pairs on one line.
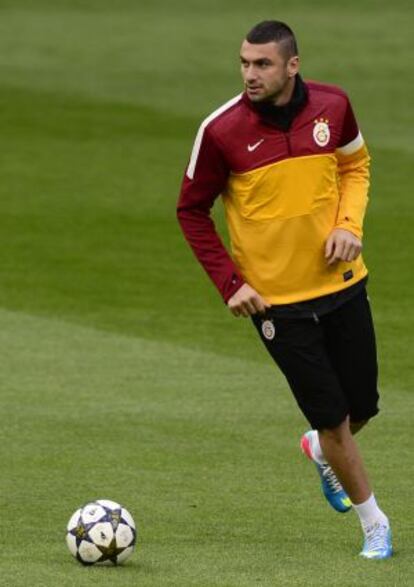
{"points": [[272, 95]]}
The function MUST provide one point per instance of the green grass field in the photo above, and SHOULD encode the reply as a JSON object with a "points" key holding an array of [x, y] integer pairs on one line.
{"points": [[122, 373]]}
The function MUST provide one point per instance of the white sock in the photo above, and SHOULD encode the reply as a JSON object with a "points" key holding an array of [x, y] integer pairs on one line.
{"points": [[316, 448], [369, 513]]}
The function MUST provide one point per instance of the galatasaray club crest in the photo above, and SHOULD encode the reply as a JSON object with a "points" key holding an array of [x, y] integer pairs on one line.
{"points": [[268, 329], [321, 132]]}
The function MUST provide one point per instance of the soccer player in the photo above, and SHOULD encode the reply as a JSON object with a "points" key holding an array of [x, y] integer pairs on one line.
{"points": [[292, 167]]}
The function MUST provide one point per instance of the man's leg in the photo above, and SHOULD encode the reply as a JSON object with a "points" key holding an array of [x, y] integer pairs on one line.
{"points": [[299, 347], [341, 452], [332, 489]]}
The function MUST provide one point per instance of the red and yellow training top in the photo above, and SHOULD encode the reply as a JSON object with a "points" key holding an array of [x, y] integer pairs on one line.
{"points": [[283, 192]]}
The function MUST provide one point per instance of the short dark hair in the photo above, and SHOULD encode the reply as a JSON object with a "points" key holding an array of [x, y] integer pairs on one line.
{"points": [[275, 31]]}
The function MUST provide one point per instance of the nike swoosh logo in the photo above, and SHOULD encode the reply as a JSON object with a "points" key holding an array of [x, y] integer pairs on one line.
{"points": [[252, 148]]}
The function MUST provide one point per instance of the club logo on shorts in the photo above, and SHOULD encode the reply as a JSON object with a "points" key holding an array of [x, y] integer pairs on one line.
{"points": [[268, 329], [321, 132]]}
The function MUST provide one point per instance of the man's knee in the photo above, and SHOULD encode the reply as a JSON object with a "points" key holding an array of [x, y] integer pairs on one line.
{"points": [[337, 434]]}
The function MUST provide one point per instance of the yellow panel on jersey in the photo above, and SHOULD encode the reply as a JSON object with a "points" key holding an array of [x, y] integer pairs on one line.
{"points": [[279, 218]]}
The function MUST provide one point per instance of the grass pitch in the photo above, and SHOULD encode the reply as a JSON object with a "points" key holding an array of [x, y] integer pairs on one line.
{"points": [[123, 376]]}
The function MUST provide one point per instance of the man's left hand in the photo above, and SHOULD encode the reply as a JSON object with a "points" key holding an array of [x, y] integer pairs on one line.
{"points": [[342, 245]]}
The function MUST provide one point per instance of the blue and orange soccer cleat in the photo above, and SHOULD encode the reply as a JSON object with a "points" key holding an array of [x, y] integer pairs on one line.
{"points": [[378, 544], [331, 487]]}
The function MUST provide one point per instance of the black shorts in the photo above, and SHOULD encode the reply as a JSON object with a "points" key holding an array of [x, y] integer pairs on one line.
{"points": [[330, 362]]}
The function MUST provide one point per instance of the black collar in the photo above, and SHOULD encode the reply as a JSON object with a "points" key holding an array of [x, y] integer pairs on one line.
{"points": [[282, 116]]}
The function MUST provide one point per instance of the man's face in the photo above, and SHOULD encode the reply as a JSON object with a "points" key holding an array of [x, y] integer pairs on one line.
{"points": [[266, 72]]}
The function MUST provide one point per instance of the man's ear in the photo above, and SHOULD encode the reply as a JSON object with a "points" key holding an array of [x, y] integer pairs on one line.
{"points": [[293, 66]]}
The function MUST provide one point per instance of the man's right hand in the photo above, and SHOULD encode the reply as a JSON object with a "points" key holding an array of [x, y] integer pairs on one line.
{"points": [[246, 302]]}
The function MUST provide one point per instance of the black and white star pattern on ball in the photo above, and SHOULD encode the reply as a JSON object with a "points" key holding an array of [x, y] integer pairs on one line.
{"points": [[101, 532]]}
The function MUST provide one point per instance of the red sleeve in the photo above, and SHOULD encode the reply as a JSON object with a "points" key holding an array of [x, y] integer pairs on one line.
{"points": [[350, 128], [198, 193]]}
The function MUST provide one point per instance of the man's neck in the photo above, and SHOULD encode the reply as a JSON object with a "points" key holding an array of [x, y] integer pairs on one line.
{"points": [[282, 115], [285, 97]]}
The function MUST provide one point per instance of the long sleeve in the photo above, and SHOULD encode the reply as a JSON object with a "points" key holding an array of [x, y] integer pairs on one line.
{"points": [[353, 171], [205, 179]]}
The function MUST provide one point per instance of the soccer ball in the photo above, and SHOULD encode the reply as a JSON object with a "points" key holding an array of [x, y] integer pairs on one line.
{"points": [[101, 532]]}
